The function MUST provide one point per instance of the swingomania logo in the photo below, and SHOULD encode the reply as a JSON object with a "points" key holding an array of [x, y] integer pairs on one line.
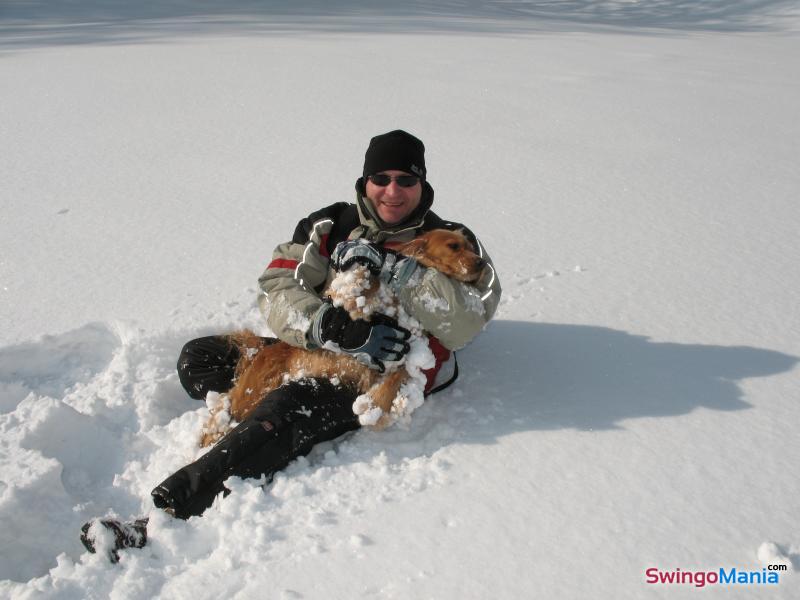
{"points": [[769, 575]]}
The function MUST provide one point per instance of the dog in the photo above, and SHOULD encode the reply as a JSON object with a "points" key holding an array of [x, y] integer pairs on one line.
{"points": [[264, 367]]}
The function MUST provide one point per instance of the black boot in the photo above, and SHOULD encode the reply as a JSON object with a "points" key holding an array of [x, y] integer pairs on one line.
{"points": [[131, 534]]}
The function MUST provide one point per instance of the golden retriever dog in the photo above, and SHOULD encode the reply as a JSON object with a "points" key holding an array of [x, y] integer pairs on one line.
{"points": [[264, 367]]}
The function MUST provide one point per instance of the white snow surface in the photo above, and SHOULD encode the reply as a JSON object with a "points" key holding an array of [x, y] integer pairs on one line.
{"points": [[631, 167]]}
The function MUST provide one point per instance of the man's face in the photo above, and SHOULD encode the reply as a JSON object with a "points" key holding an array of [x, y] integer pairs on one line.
{"points": [[392, 202]]}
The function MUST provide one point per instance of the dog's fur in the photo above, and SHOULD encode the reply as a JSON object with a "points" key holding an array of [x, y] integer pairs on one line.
{"points": [[264, 367]]}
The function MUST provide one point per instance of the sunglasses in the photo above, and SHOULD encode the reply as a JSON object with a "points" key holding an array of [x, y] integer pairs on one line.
{"points": [[405, 181]]}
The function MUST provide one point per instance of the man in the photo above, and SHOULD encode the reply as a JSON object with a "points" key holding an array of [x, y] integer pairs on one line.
{"points": [[393, 205]]}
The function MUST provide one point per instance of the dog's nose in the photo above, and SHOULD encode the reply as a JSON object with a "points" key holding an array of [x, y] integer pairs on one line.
{"points": [[480, 263]]}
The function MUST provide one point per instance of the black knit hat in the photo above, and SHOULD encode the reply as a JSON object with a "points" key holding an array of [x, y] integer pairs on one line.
{"points": [[396, 150]]}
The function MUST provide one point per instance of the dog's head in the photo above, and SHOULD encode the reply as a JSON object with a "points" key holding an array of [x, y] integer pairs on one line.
{"points": [[449, 252]]}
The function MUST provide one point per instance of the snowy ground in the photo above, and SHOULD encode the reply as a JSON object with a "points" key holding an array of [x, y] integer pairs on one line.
{"points": [[631, 167]]}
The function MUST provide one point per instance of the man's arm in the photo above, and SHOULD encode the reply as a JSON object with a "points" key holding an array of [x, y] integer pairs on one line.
{"points": [[291, 280], [453, 311]]}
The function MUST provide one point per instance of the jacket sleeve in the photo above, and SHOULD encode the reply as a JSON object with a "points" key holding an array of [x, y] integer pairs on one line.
{"points": [[291, 282], [453, 311]]}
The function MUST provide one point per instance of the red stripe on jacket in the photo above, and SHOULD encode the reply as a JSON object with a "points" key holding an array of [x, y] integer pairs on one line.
{"points": [[441, 355], [286, 263], [323, 245], [283, 263]]}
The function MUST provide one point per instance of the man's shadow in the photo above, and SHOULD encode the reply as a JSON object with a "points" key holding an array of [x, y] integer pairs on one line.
{"points": [[553, 376]]}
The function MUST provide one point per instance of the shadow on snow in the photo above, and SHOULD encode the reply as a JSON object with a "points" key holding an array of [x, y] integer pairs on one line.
{"points": [[555, 376]]}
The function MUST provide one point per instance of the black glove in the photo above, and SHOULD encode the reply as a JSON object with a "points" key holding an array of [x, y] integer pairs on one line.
{"points": [[370, 342]]}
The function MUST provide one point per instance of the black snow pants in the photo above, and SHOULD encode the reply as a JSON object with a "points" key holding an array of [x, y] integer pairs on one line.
{"points": [[288, 423]]}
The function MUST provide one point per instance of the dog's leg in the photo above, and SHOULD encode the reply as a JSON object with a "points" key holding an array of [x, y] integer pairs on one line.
{"points": [[219, 421], [379, 398], [212, 433]]}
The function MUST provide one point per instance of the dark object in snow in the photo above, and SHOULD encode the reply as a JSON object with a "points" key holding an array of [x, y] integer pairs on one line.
{"points": [[131, 534]]}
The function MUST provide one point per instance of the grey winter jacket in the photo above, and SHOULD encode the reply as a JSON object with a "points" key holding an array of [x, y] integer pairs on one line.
{"points": [[451, 311]]}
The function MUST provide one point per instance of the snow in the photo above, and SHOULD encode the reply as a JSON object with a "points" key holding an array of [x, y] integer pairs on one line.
{"points": [[638, 411], [769, 553]]}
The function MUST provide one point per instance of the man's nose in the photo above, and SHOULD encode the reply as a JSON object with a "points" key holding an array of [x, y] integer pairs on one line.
{"points": [[393, 189]]}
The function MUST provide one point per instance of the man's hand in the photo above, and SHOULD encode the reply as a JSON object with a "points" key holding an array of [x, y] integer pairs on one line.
{"points": [[360, 251], [370, 342], [390, 267]]}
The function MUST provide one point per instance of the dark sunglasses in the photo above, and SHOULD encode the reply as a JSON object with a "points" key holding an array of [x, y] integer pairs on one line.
{"points": [[382, 180]]}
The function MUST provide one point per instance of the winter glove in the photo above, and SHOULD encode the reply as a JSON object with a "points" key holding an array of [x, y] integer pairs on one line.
{"points": [[359, 251], [397, 270], [390, 267], [369, 342]]}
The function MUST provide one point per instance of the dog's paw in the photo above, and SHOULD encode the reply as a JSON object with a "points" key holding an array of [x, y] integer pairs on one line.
{"points": [[371, 418], [219, 422], [216, 402], [362, 404], [406, 402], [216, 428], [384, 421], [368, 413], [209, 438]]}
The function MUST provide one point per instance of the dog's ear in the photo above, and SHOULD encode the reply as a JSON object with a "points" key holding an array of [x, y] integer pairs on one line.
{"points": [[414, 248], [470, 244]]}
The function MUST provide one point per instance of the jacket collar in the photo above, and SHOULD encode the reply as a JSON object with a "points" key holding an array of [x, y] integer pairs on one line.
{"points": [[374, 228]]}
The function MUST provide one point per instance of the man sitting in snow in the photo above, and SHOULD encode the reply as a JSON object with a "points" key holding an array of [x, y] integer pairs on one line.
{"points": [[393, 201]]}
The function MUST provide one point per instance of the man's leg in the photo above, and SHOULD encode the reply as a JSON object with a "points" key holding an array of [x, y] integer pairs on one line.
{"points": [[287, 424]]}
